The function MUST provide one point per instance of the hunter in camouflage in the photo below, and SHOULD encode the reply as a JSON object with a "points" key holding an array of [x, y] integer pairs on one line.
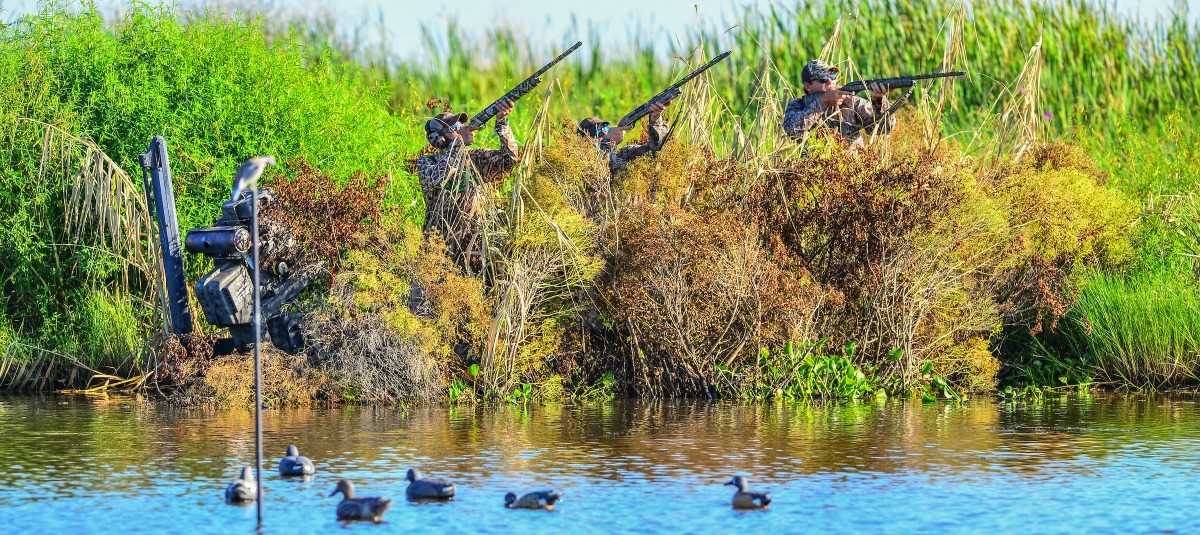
{"points": [[607, 138], [452, 176], [847, 114]]}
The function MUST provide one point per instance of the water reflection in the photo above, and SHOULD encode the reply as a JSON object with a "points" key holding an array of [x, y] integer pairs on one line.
{"points": [[92, 454]]}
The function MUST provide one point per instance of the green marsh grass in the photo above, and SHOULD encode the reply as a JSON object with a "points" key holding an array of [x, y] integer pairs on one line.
{"points": [[1140, 331]]}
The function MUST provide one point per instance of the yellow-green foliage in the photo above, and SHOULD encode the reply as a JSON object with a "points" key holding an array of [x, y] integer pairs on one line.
{"points": [[664, 177], [1064, 213], [551, 222], [377, 287], [460, 310], [542, 344], [971, 365], [573, 161], [384, 286]]}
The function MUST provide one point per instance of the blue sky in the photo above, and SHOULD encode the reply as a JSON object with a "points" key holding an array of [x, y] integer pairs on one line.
{"points": [[546, 21]]}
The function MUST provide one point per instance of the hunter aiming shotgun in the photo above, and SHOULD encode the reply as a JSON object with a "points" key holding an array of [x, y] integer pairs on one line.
{"points": [[899, 82], [667, 94], [519, 91]]}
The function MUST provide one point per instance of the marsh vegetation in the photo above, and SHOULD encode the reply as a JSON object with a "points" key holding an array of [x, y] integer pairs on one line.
{"points": [[1031, 226]]}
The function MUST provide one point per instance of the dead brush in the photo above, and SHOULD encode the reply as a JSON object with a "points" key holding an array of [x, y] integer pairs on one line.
{"points": [[325, 219], [841, 212], [368, 359], [693, 292]]}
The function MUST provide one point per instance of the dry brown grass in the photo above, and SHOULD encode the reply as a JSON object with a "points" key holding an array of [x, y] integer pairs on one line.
{"points": [[229, 381]]}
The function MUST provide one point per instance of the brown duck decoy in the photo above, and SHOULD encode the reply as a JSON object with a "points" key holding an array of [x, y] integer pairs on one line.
{"points": [[745, 499], [364, 508]]}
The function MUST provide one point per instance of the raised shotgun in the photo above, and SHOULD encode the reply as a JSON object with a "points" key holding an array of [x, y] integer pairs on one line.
{"points": [[519, 91], [667, 94], [900, 82]]}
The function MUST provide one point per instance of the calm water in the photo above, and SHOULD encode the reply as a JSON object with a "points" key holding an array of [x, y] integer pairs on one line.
{"points": [[1071, 465]]}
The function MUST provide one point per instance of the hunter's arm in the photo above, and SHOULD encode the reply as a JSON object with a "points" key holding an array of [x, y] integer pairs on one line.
{"points": [[885, 120], [493, 164], [802, 115], [872, 115], [657, 130]]}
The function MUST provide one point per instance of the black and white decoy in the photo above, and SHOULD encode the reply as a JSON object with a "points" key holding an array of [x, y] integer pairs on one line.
{"points": [[538, 499]]}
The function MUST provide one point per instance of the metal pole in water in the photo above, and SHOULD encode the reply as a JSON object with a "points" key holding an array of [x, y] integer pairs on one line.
{"points": [[247, 180], [256, 324]]}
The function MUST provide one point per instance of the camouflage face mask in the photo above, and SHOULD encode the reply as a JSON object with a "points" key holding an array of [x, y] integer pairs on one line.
{"points": [[438, 129]]}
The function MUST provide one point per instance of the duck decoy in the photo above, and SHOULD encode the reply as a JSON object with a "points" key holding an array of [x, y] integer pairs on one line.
{"points": [[427, 489], [538, 499], [295, 464], [364, 508], [242, 490], [745, 499]]}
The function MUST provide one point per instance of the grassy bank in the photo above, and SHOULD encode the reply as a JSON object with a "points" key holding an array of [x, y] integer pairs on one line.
{"points": [[1072, 240]]}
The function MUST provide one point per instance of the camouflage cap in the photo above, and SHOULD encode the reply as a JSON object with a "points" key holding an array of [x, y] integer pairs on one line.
{"points": [[442, 124], [818, 71], [592, 127]]}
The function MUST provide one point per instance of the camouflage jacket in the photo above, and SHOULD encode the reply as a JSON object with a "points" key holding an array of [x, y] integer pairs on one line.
{"points": [[450, 179], [856, 116], [619, 159]]}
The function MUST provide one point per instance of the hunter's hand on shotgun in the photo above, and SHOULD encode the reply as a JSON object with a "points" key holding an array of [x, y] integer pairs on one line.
{"points": [[506, 102], [502, 108], [617, 133], [664, 98]]}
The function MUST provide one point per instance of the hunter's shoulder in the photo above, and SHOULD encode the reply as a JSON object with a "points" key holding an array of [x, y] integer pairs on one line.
{"points": [[430, 164], [425, 161], [803, 102]]}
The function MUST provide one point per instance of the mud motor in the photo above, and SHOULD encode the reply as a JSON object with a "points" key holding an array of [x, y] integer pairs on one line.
{"points": [[225, 293]]}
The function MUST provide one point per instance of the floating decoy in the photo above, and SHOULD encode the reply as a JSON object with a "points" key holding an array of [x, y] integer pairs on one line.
{"points": [[538, 499], [242, 490], [295, 464], [365, 508], [427, 489], [745, 499]]}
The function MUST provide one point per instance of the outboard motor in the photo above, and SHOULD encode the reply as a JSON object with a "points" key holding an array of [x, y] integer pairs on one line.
{"points": [[225, 292]]}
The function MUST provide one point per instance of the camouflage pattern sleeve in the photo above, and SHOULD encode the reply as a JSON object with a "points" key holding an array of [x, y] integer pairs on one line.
{"points": [[886, 121], [870, 116], [802, 115], [657, 130], [494, 164]]}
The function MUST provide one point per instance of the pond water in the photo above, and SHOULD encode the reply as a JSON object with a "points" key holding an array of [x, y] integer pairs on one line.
{"points": [[1059, 465]]}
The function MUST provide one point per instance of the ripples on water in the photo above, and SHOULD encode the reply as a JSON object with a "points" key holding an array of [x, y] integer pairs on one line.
{"points": [[1070, 465]]}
